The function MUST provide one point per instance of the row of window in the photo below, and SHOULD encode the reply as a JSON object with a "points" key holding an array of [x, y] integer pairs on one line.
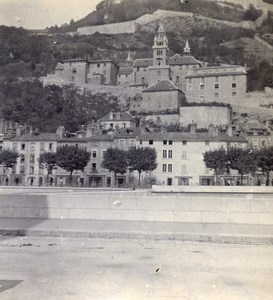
{"points": [[170, 142], [32, 146], [169, 154]]}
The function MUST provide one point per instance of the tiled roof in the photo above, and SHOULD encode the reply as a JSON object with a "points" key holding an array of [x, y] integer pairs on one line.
{"points": [[102, 138], [143, 62], [127, 133], [162, 85], [125, 71], [183, 60], [72, 140], [217, 71], [26, 137], [199, 136], [122, 116]]}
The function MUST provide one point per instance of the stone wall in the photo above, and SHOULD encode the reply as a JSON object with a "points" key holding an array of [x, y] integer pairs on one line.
{"points": [[204, 115], [225, 205]]}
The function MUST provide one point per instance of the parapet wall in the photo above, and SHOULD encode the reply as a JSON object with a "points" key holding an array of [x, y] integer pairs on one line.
{"points": [[222, 205]]}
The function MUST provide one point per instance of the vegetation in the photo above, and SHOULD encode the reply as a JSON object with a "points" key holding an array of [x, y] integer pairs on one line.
{"points": [[242, 160], [48, 161], [260, 77], [72, 158], [46, 108], [217, 161], [252, 13], [141, 160], [115, 160], [8, 159]]}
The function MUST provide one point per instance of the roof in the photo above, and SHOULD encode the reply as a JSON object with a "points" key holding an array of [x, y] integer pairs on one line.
{"points": [[127, 133], [102, 61], [43, 137], [217, 71], [59, 66], [72, 140], [162, 86], [194, 137], [143, 62], [102, 138], [75, 60], [161, 28], [118, 116], [183, 60], [125, 71]]}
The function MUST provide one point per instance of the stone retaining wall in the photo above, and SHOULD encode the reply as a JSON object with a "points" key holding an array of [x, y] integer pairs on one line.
{"points": [[232, 206]]}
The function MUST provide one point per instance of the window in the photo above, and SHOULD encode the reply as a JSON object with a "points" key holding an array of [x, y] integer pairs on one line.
{"points": [[202, 86], [206, 143], [104, 64], [151, 142], [216, 95], [73, 78], [22, 158], [164, 154], [164, 142], [177, 79], [98, 65], [132, 142], [170, 154], [234, 85], [104, 72], [206, 170], [50, 146], [94, 167], [164, 168], [184, 142], [32, 146], [122, 143], [216, 78], [23, 146], [74, 70], [184, 169], [170, 142], [263, 143], [32, 158], [14, 146], [216, 86], [31, 170], [42, 146], [184, 154], [190, 80], [234, 77], [202, 80], [137, 69], [22, 169], [94, 154], [103, 153], [170, 168], [233, 94], [158, 73]]}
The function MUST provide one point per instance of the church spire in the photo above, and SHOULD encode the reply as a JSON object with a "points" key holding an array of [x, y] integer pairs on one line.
{"points": [[187, 49], [160, 47]]}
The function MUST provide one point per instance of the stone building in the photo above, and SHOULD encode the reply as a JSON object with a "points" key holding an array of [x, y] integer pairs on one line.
{"points": [[180, 155], [162, 96], [116, 120], [219, 84]]}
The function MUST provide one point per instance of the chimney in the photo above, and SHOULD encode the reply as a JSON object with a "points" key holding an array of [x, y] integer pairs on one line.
{"points": [[60, 131], [19, 130], [193, 127]]}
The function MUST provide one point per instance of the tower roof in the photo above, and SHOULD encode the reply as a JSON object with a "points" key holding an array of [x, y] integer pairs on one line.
{"points": [[161, 28], [187, 49]]}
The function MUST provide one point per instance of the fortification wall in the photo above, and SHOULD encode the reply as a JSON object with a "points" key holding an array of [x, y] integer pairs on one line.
{"points": [[114, 28]]}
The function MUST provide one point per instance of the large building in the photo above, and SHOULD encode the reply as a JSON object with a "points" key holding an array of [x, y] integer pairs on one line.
{"points": [[225, 83]]}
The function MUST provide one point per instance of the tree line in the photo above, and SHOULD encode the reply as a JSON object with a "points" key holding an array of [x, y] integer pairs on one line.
{"points": [[47, 107], [244, 161], [73, 158]]}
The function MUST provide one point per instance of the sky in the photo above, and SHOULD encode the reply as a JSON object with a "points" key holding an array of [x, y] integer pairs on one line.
{"points": [[39, 14]]}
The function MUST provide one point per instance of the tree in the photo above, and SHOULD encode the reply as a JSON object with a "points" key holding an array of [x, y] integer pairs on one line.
{"points": [[72, 158], [142, 160], [115, 160], [217, 161], [48, 161], [8, 159], [241, 160], [265, 161]]}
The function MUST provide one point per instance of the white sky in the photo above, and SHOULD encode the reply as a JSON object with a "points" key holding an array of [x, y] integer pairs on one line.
{"points": [[38, 14]]}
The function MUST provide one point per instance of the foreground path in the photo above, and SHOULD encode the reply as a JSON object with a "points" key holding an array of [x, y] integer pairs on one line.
{"points": [[83, 269]]}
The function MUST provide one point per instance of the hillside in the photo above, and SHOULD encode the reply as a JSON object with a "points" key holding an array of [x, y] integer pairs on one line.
{"points": [[108, 11]]}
